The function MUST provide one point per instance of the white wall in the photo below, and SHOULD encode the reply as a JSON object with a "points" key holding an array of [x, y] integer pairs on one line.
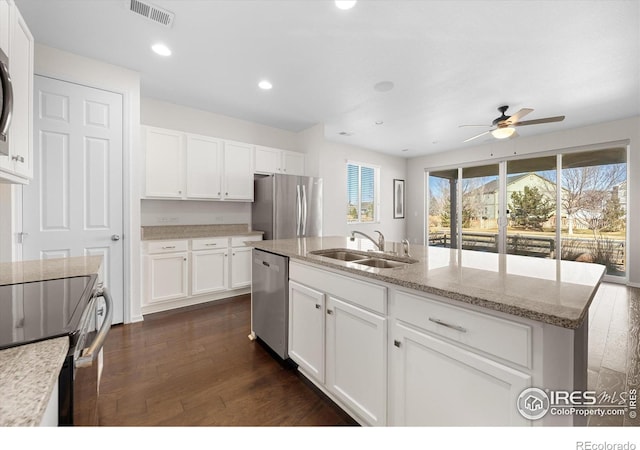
{"points": [[328, 160], [181, 212], [70, 67], [163, 114], [619, 130]]}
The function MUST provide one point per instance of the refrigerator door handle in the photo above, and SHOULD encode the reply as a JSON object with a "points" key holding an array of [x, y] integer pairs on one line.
{"points": [[304, 211], [299, 209]]}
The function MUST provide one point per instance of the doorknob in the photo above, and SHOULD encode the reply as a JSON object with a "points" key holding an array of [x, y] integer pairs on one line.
{"points": [[115, 237]]}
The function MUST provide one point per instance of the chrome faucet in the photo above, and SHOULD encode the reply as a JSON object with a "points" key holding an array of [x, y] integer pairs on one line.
{"points": [[379, 244]]}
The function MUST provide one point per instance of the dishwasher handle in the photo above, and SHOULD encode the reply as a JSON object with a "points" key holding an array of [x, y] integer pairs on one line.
{"points": [[89, 353]]}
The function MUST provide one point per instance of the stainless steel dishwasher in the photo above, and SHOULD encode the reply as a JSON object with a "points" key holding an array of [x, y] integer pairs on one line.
{"points": [[270, 300]]}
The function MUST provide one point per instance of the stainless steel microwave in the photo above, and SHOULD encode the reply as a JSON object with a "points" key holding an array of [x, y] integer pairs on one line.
{"points": [[6, 102]]}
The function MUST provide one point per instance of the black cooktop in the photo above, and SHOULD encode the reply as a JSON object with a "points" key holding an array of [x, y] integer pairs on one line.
{"points": [[34, 311]]}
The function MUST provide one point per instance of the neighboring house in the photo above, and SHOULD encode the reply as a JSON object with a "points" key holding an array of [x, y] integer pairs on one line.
{"points": [[484, 201], [621, 189]]}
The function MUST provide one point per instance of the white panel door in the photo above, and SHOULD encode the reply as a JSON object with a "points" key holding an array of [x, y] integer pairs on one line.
{"points": [[73, 206], [238, 171], [306, 329], [164, 158], [209, 271], [240, 267]]}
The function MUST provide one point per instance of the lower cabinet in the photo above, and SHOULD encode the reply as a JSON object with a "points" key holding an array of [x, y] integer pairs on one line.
{"points": [[342, 347], [188, 271], [436, 383]]}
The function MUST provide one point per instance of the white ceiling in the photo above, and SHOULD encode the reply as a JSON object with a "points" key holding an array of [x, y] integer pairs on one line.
{"points": [[451, 62]]}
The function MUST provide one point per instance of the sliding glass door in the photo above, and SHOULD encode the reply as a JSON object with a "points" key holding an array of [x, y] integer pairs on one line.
{"points": [[570, 206]]}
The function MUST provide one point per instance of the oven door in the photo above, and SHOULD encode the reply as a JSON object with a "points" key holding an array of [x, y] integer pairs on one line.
{"points": [[87, 359], [6, 103]]}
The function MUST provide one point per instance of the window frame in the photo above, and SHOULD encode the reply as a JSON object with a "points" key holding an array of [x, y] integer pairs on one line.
{"points": [[376, 191]]}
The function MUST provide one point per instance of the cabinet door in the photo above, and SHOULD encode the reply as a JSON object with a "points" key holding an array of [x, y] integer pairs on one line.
{"points": [[267, 160], [167, 277], [436, 383], [306, 329], [21, 69], [203, 177], [164, 163], [208, 271], [356, 360], [292, 163], [240, 267], [238, 171]]}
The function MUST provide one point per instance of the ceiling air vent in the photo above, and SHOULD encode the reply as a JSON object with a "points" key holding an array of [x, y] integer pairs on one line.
{"points": [[152, 12]]}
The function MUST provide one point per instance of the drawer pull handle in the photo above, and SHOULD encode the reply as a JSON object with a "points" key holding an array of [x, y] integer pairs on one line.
{"points": [[210, 245], [448, 325], [329, 311], [318, 306], [168, 247], [396, 343]]}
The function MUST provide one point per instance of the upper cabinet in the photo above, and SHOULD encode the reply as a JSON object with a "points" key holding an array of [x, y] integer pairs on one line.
{"points": [[17, 43], [272, 160], [188, 166]]}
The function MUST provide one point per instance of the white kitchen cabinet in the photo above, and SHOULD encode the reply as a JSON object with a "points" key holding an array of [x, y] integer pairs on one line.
{"points": [[272, 160], [238, 171], [307, 329], [240, 267], [356, 342], [167, 276], [208, 271], [164, 153], [203, 167], [17, 42], [188, 166], [437, 383]]}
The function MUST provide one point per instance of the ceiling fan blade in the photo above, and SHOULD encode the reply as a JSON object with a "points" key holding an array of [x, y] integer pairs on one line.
{"points": [[477, 136], [537, 121], [519, 115]]}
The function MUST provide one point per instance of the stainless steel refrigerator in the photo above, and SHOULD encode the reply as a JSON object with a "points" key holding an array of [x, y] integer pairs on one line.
{"points": [[287, 206]]}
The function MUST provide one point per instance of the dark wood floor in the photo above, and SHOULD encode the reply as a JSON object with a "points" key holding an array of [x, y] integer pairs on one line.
{"points": [[196, 366]]}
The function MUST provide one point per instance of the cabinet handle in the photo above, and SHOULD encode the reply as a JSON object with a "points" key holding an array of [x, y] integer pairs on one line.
{"points": [[329, 311], [179, 192], [233, 254], [318, 306], [184, 259], [226, 193], [396, 343], [18, 158], [210, 245], [218, 193], [168, 247], [448, 325]]}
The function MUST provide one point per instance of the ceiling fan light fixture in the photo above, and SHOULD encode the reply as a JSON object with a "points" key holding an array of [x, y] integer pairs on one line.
{"points": [[503, 133], [345, 4]]}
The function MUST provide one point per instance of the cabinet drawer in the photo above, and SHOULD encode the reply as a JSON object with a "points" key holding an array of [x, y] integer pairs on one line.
{"points": [[367, 295], [508, 340], [238, 241], [166, 246], [209, 243]]}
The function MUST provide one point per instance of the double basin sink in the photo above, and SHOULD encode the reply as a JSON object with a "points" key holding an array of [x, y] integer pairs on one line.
{"points": [[379, 260]]}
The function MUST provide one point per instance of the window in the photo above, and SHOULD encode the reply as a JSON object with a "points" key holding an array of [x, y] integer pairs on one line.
{"points": [[362, 193]]}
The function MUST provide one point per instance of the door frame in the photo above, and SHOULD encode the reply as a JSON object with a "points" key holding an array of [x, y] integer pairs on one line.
{"points": [[94, 77]]}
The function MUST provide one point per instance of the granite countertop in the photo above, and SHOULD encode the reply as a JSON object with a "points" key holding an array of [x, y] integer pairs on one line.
{"points": [[195, 231], [28, 374], [549, 291], [48, 269]]}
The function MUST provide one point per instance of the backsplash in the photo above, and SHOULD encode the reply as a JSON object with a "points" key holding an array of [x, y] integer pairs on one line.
{"points": [[193, 212]]}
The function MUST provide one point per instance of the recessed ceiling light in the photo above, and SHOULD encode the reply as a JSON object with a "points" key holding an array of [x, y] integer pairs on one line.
{"points": [[379, 122], [346, 4], [404, 150], [345, 133], [161, 49], [265, 84], [383, 86]]}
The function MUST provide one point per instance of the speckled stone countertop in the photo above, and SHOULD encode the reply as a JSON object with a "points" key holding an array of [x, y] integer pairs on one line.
{"points": [[48, 269], [195, 231], [554, 292], [27, 376]]}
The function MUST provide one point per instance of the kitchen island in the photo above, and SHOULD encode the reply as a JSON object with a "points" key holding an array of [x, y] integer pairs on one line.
{"points": [[451, 337]]}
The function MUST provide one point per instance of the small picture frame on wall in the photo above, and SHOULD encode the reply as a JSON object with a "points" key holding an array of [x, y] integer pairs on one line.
{"points": [[398, 199]]}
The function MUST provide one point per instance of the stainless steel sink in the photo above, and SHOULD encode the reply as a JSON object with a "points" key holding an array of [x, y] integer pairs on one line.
{"points": [[378, 260], [381, 263], [342, 255]]}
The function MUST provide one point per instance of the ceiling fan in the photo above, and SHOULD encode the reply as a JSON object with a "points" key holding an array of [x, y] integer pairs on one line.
{"points": [[502, 127]]}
